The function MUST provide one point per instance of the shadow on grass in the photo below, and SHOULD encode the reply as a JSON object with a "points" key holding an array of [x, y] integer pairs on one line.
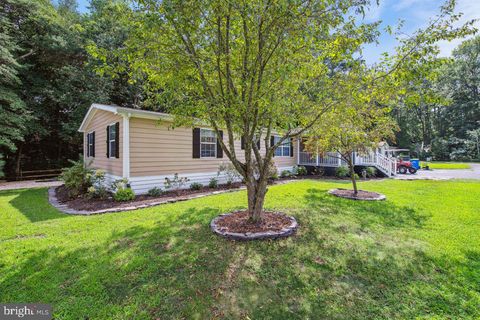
{"points": [[366, 213], [178, 269], [33, 204]]}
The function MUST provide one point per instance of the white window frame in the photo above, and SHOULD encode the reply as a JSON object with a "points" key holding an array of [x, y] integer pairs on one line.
{"points": [[286, 145], [90, 142], [110, 155], [209, 143]]}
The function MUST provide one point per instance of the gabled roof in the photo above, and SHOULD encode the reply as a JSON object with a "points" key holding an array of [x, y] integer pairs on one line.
{"points": [[130, 112]]}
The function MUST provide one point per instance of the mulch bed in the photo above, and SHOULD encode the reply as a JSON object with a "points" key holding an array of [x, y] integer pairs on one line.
{"points": [[83, 203], [361, 195], [235, 226], [238, 222]]}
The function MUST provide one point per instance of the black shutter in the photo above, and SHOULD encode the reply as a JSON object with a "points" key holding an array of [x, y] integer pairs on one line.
{"points": [[93, 144], [242, 143], [272, 143], [108, 143], [291, 147], [219, 147], [117, 140], [196, 143]]}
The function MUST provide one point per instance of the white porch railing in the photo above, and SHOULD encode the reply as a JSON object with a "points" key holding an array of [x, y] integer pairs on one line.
{"points": [[385, 164]]}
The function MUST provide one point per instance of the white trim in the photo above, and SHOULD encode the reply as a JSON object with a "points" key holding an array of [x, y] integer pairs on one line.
{"points": [[214, 143], [126, 146], [141, 185], [122, 111]]}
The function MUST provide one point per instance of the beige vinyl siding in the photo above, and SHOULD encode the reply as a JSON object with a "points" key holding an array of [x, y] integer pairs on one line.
{"points": [[156, 149], [99, 123]]}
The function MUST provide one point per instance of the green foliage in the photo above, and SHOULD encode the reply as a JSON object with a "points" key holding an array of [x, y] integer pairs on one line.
{"points": [[176, 182], [196, 186], [77, 178], [300, 170], [371, 172], [124, 194], [342, 172], [213, 183], [154, 192], [228, 170], [286, 173], [96, 182]]}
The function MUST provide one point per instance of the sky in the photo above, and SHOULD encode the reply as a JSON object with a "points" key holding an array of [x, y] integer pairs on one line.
{"points": [[415, 13]]}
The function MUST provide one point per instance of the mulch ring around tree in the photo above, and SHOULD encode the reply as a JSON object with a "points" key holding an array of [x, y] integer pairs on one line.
{"points": [[236, 226], [361, 195]]}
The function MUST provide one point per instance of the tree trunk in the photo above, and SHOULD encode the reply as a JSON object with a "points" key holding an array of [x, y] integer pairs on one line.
{"points": [[256, 191], [352, 177], [18, 161]]}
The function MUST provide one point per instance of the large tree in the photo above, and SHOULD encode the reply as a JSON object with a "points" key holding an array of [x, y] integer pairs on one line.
{"points": [[251, 68]]}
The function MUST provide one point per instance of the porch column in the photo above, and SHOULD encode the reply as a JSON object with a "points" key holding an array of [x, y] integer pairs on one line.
{"points": [[317, 158], [339, 160], [298, 151]]}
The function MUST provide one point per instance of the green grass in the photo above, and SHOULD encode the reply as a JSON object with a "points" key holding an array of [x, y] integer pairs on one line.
{"points": [[416, 255], [446, 165]]}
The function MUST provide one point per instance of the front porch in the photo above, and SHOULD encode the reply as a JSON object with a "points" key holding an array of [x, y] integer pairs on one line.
{"points": [[386, 165]]}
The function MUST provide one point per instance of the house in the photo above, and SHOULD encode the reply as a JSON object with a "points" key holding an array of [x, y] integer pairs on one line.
{"points": [[142, 147]]}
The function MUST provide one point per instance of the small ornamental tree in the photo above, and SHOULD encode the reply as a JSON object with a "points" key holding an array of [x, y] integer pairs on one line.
{"points": [[358, 123]]}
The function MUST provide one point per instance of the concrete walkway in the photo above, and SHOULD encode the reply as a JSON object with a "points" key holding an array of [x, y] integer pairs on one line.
{"points": [[28, 184], [444, 174]]}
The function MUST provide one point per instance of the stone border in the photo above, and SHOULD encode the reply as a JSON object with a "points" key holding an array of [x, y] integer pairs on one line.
{"points": [[380, 197], [52, 199], [248, 236]]}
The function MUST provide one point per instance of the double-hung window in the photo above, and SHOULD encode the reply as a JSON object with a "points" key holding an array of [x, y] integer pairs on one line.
{"points": [[208, 143], [112, 143], [91, 144], [283, 150]]}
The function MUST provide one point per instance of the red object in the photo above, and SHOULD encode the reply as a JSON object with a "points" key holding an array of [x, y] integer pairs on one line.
{"points": [[405, 166]]}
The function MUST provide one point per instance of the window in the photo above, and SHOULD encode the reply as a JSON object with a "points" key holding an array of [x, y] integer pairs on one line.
{"points": [[208, 143], [284, 149], [112, 143], [91, 144]]}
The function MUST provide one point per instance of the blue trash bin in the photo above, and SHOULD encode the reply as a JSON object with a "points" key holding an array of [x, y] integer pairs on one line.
{"points": [[415, 163]]}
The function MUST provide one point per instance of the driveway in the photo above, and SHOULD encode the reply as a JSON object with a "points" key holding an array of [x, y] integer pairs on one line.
{"points": [[444, 174], [28, 184]]}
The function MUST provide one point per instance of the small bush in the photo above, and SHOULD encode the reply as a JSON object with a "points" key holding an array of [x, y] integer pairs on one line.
{"points": [[175, 183], [214, 183], [319, 171], [341, 172], [285, 174], [97, 189], [300, 170], [371, 172], [154, 192], [196, 186], [124, 194], [228, 170], [76, 178]]}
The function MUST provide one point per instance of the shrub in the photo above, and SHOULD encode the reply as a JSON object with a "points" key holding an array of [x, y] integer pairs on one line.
{"points": [[96, 180], [341, 172], [285, 174], [319, 171], [371, 172], [124, 194], [175, 183], [76, 178], [214, 183], [196, 186], [155, 192], [300, 170], [228, 169]]}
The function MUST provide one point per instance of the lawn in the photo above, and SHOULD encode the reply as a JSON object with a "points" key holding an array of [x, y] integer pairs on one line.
{"points": [[416, 255], [446, 165]]}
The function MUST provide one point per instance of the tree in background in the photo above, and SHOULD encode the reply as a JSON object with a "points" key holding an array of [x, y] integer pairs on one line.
{"points": [[13, 113]]}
